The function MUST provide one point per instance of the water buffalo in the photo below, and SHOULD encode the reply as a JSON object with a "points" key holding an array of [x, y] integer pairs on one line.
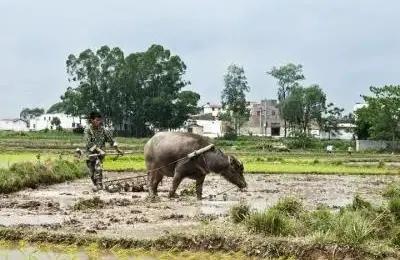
{"points": [[164, 148]]}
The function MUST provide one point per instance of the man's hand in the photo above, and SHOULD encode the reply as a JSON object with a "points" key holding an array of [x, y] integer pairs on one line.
{"points": [[101, 152]]}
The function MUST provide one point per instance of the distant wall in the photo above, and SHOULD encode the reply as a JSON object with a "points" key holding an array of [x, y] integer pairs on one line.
{"points": [[364, 145]]}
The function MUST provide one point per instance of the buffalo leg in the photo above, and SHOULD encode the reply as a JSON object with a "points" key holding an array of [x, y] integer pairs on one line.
{"points": [[175, 183], [154, 180], [199, 187]]}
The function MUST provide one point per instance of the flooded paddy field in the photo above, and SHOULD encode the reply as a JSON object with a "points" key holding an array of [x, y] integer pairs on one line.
{"points": [[132, 215]]}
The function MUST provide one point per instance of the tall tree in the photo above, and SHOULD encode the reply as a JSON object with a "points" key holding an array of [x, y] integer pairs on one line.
{"points": [[363, 123], [382, 112], [234, 96], [288, 77], [304, 106], [140, 92], [331, 119], [93, 76]]}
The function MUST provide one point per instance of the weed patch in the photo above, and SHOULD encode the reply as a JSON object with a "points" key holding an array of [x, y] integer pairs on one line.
{"points": [[239, 212]]}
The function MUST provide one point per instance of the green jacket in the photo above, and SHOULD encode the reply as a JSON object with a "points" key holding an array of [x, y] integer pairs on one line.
{"points": [[97, 137]]}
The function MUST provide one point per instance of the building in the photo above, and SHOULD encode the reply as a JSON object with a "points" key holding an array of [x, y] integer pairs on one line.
{"points": [[13, 125], [264, 119], [45, 122], [213, 109]]}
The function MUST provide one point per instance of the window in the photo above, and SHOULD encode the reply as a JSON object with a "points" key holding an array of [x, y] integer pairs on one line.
{"points": [[273, 112], [73, 125]]}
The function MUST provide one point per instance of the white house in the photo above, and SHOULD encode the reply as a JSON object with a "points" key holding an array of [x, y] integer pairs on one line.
{"points": [[345, 131], [212, 109], [44, 121], [211, 128], [13, 125]]}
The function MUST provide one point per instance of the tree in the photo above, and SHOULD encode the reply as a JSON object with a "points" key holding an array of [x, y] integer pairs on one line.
{"points": [[28, 113], [382, 113], [140, 92], [333, 117], [363, 123], [56, 108], [94, 76], [288, 77], [304, 106], [55, 121], [234, 96]]}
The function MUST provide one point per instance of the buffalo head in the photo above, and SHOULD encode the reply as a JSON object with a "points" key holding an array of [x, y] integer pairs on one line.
{"points": [[234, 172]]}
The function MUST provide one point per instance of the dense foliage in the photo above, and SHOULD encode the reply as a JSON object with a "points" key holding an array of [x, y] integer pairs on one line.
{"points": [[137, 93]]}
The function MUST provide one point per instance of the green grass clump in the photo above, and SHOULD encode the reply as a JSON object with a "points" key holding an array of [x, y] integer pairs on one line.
{"points": [[359, 203], [394, 207], [320, 220], [270, 222], [352, 228], [239, 212], [31, 175], [392, 191], [289, 206]]}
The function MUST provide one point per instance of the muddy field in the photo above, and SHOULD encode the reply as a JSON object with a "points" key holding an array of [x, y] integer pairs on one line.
{"points": [[131, 214]]}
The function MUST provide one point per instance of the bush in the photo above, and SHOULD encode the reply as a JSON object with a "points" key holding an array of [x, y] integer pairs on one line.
{"points": [[78, 130], [300, 140], [239, 212], [289, 206], [230, 136], [320, 220], [352, 228], [271, 222]]}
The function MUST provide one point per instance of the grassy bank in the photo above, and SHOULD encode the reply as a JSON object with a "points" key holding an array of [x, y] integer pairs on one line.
{"points": [[32, 174], [212, 240], [359, 225]]}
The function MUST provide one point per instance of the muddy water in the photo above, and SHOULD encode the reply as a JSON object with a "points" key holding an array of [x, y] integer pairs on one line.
{"points": [[84, 254], [128, 214]]}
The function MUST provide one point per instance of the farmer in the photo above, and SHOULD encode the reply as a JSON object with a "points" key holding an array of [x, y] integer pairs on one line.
{"points": [[96, 137], [329, 148], [349, 150]]}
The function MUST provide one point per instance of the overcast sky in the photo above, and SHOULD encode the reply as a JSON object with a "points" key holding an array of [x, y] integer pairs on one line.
{"points": [[345, 46]]}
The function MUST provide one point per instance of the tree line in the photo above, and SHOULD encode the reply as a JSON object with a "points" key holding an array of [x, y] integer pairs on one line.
{"points": [[145, 91]]}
